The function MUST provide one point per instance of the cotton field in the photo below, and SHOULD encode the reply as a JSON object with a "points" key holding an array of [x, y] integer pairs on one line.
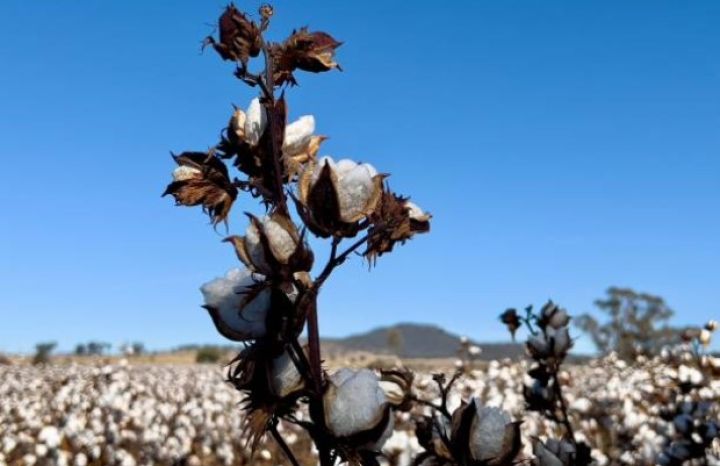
{"points": [[128, 415]]}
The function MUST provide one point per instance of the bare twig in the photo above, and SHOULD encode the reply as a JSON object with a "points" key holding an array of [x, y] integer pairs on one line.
{"points": [[284, 446]]}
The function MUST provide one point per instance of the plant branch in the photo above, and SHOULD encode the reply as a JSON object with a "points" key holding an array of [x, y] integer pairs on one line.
{"points": [[297, 355], [271, 125], [284, 446], [433, 406], [337, 259]]}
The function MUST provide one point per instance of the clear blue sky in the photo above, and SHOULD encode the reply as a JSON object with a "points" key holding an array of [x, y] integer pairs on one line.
{"points": [[562, 147]]}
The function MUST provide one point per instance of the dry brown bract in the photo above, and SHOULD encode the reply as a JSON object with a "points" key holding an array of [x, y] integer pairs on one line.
{"points": [[396, 220], [239, 37], [304, 50], [202, 179]]}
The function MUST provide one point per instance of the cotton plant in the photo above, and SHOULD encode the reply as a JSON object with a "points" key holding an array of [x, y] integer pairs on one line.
{"points": [[692, 411], [547, 346], [269, 300]]}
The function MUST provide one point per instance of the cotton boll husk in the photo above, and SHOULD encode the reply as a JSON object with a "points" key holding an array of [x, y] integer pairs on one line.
{"points": [[226, 295], [255, 122], [50, 436], [354, 402], [237, 124], [255, 249], [705, 337], [298, 135]]}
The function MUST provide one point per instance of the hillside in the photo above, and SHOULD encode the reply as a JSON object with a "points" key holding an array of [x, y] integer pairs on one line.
{"points": [[416, 341]]}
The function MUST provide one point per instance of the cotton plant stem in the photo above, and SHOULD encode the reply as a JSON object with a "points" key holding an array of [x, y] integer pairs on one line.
{"points": [[283, 445], [316, 401], [269, 91], [313, 332], [563, 407]]}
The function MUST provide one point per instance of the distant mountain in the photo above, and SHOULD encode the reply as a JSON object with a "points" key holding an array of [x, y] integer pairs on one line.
{"points": [[416, 341]]}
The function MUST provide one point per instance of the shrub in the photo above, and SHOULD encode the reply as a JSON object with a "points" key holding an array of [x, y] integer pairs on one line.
{"points": [[208, 354]]}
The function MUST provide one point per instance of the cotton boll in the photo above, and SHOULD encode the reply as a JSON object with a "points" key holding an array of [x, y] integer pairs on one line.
{"points": [[255, 122], [186, 172], [281, 242], [487, 432], [354, 402], [415, 212], [50, 436], [298, 135], [355, 188], [285, 377], [272, 245], [705, 337], [224, 296]]}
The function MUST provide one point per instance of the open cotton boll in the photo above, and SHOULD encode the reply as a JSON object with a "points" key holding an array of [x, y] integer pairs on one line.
{"points": [[285, 377], [354, 402], [225, 295], [487, 432], [415, 212], [50, 436], [298, 135], [237, 124], [255, 122], [254, 248], [355, 187], [185, 172], [281, 242]]}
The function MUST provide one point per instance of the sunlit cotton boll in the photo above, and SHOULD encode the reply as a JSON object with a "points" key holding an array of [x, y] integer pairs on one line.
{"points": [[50, 436], [280, 241], [255, 122], [355, 402], [355, 186], [185, 172], [298, 135], [285, 378], [223, 299], [415, 212]]}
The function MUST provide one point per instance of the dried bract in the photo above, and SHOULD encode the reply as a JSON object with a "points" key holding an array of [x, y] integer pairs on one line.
{"points": [[239, 37], [395, 220], [304, 50], [202, 179], [511, 319]]}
